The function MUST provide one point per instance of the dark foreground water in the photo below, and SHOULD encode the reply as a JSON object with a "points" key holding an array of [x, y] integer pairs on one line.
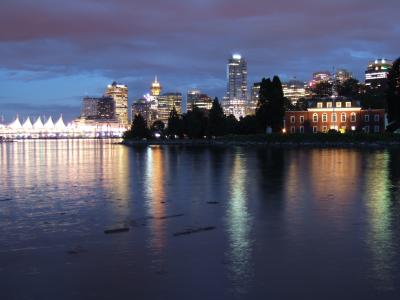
{"points": [[289, 224]]}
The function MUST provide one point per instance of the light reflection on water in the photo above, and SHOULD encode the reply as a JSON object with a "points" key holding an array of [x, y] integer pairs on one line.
{"points": [[289, 223]]}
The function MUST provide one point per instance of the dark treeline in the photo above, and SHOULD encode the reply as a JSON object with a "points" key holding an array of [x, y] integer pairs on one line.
{"points": [[213, 123]]}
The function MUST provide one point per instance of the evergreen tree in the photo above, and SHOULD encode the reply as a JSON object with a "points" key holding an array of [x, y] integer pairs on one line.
{"points": [[138, 129], [195, 123], [157, 127], [393, 96], [349, 88], [216, 119], [174, 123], [271, 106]]}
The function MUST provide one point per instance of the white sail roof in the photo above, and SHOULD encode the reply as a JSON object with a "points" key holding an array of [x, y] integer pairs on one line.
{"points": [[60, 123], [16, 124], [27, 124], [38, 124], [49, 124]]}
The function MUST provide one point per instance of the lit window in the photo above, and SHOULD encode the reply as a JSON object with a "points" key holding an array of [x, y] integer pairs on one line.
{"points": [[348, 104], [329, 104], [301, 129], [319, 105], [324, 129], [315, 129], [315, 118], [376, 128], [376, 118], [343, 117], [334, 117], [366, 118], [338, 104], [292, 129], [353, 117], [301, 119], [324, 118], [292, 119], [353, 128]]}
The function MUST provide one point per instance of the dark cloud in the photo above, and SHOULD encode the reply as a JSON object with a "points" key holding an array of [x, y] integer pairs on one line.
{"points": [[187, 42]]}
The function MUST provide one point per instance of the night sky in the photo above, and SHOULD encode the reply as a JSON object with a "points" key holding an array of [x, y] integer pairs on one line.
{"points": [[53, 52]]}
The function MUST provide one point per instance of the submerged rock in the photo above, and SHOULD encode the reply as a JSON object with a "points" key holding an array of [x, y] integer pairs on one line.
{"points": [[194, 230]]}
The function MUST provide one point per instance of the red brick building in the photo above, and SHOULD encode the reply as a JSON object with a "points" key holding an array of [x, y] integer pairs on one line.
{"points": [[343, 116]]}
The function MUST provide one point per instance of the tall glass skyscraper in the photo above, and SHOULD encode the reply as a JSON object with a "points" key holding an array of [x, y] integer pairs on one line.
{"points": [[119, 93], [235, 101]]}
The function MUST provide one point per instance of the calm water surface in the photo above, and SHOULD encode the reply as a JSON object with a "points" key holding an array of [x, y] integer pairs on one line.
{"points": [[289, 224]]}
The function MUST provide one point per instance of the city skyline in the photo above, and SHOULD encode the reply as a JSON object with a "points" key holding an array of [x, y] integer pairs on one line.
{"points": [[54, 56]]}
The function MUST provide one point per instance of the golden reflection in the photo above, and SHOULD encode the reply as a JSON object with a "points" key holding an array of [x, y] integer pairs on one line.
{"points": [[70, 166], [379, 236], [331, 181], [155, 194], [239, 225]]}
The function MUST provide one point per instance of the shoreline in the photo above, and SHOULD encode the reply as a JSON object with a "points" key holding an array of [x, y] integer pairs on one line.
{"points": [[265, 143]]}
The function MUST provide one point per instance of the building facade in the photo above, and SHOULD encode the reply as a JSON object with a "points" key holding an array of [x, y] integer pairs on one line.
{"points": [[98, 108], [342, 116], [166, 103], [119, 93], [143, 107], [294, 90], [377, 73], [196, 98], [235, 101]]}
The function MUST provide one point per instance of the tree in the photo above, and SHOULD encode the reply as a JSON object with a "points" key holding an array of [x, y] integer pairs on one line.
{"points": [[195, 123], [231, 125], [138, 129], [157, 127], [322, 89], [216, 119], [349, 88], [247, 125], [393, 96], [175, 123], [271, 106]]}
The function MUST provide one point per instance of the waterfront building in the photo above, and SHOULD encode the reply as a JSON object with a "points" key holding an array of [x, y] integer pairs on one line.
{"points": [[98, 108], [196, 98], [106, 108], [377, 73], [235, 100], [341, 115], [166, 102], [89, 107], [342, 75], [294, 90], [119, 93]]}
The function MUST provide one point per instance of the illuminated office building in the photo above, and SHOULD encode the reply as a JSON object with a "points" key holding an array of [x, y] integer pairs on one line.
{"points": [[119, 93], [342, 75], [196, 98], [143, 107], [294, 90], [235, 101], [166, 102], [377, 73]]}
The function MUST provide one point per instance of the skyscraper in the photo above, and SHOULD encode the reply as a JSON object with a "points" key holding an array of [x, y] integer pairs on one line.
{"points": [[196, 98], [166, 102], [377, 72], [235, 101], [156, 88], [119, 93], [98, 108]]}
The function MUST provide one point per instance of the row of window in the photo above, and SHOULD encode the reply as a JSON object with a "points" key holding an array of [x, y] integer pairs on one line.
{"points": [[343, 118], [366, 129], [337, 104]]}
